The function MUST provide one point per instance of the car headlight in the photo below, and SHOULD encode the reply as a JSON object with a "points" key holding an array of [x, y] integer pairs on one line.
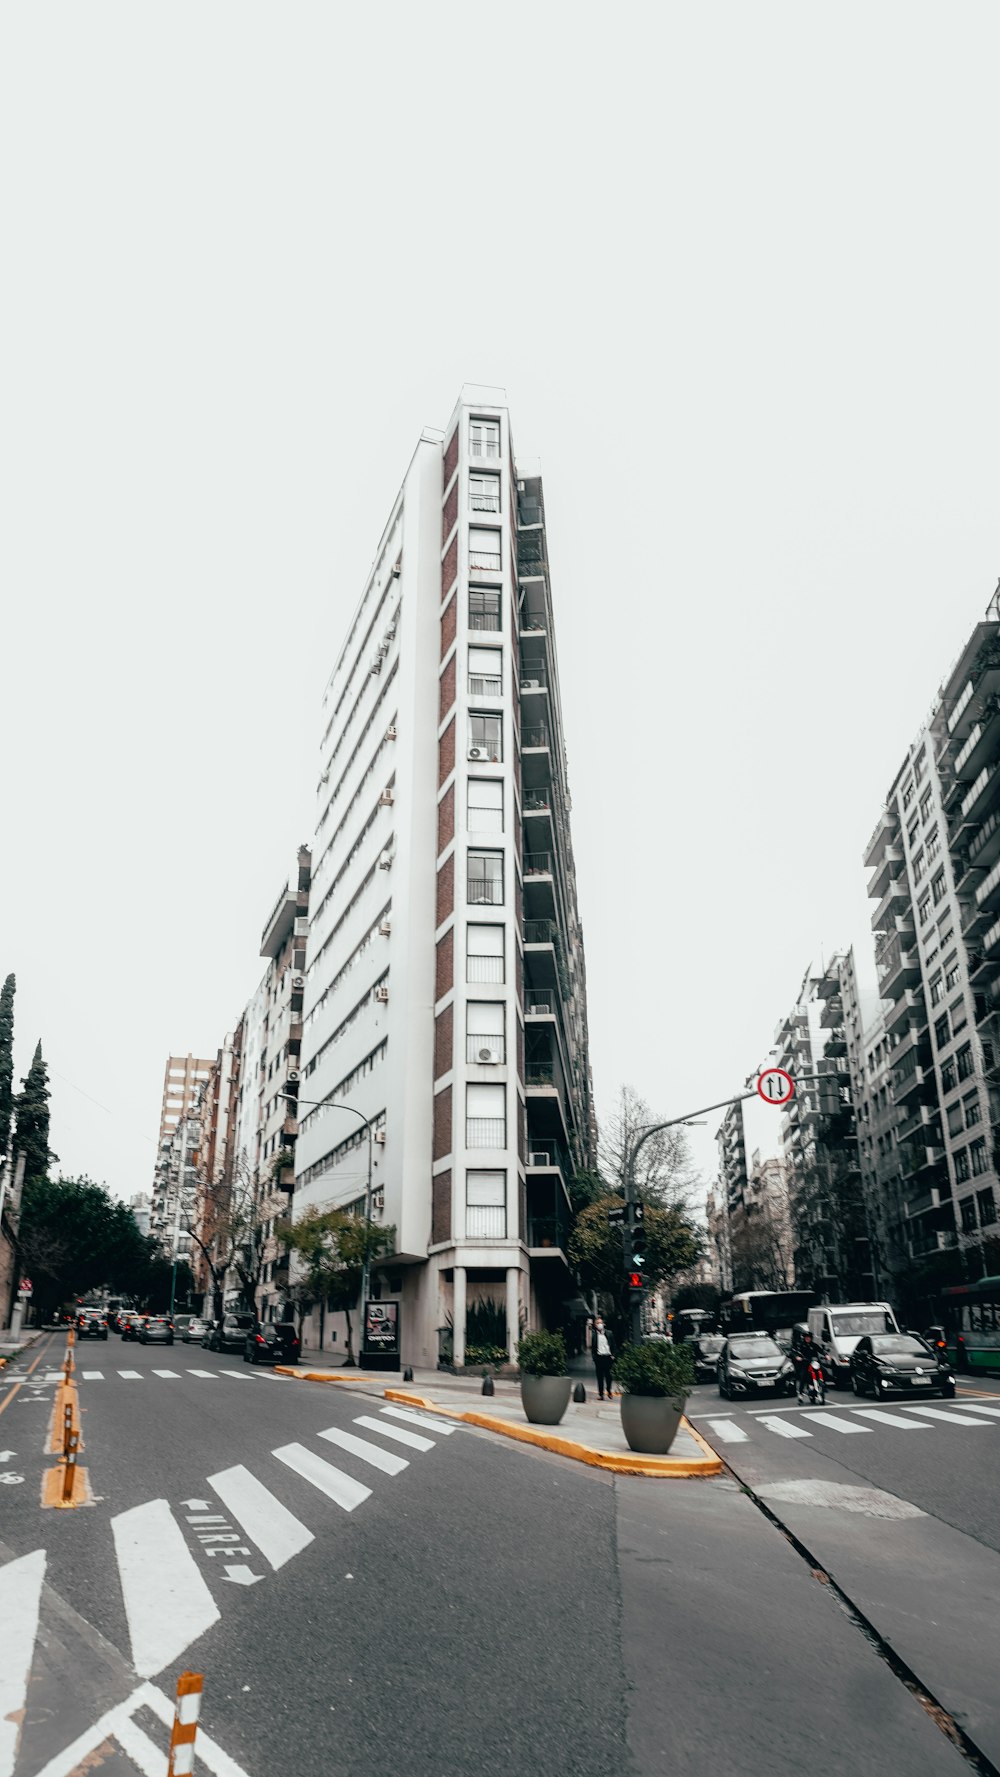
{"points": [[787, 1367], [735, 1371]]}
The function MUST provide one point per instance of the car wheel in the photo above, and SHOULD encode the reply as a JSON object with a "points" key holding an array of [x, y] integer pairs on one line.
{"points": [[854, 1385], [723, 1391], [948, 1391]]}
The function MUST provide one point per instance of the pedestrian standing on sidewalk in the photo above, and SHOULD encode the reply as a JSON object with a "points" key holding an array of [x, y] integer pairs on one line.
{"points": [[603, 1351]]}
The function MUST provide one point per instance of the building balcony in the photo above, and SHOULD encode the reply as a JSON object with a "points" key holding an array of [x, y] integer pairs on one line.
{"points": [[886, 832], [898, 968], [910, 1037], [541, 966], [280, 923], [920, 1157], [918, 1118], [909, 1005], [981, 686], [895, 903], [832, 1013], [892, 864], [987, 895], [539, 885], [539, 1003], [984, 960], [917, 1083], [837, 1043]]}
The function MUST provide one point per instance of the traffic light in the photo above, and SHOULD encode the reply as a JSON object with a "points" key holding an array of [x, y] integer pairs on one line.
{"points": [[636, 1275]]}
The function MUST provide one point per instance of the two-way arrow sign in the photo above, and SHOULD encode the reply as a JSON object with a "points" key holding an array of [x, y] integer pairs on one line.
{"points": [[241, 1576]]}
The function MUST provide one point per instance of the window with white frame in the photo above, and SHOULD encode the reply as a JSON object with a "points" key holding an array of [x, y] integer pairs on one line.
{"points": [[485, 672], [486, 1205], [485, 1040], [484, 550], [484, 954], [486, 736], [485, 1116], [484, 438], [484, 493], [484, 884], [485, 805]]}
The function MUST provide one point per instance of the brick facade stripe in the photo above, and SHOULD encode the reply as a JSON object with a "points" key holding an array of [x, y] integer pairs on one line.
{"points": [[449, 568], [446, 890], [440, 1208], [444, 964], [446, 753], [444, 1045], [449, 624], [449, 515], [446, 695], [442, 1124], [446, 818], [450, 456]]}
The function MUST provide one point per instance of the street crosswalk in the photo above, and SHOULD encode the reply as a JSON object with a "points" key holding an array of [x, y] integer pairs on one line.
{"points": [[175, 1561], [795, 1424]]}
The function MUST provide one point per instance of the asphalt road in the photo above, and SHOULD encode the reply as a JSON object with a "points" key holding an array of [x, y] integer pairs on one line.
{"points": [[398, 1595]]}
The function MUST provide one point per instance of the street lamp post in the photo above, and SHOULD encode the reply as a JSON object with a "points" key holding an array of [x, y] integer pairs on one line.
{"points": [[328, 1104]]}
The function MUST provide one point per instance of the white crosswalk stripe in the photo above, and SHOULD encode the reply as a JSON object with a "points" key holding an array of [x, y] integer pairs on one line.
{"points": [[728, 1431], [782, 1427], [169, 1375], [341, 1488], [211, 1374], [167, 1602], [240, 1375], [20, 1599], [277, 1533], [92, 1375], [130, 1375], [969, 1407], [831, 1420], [386, 1460], [892, 1419], [414, 1440], [411, 1416], [949, 1417]]}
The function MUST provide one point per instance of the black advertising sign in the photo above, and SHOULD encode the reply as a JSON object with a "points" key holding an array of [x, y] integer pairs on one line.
{"points": [[381, 1331]]}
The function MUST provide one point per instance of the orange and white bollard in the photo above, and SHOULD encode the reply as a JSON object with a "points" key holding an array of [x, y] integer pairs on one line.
{"points": [[69, 1472], [185, 1728]]}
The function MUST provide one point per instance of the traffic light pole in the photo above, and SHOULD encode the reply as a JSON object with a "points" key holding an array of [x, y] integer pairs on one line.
{"points": [[635, 1300]]}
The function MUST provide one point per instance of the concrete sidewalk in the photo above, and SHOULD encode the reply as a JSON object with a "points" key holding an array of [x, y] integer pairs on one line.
{"points": [[591, 1431]]}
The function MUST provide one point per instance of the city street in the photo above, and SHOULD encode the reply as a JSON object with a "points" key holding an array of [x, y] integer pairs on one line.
{"points": [[367, 1587]]}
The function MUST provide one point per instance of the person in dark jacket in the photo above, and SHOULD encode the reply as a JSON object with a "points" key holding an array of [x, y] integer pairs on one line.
{"points": [[603, 1351]]}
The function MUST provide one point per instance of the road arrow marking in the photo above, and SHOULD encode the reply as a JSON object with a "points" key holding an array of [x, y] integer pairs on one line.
{"points": [[241, 1576], [5, 1455], [196, 1505]]}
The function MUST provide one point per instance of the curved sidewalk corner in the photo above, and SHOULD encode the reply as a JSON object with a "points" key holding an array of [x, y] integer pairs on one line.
{"points": [[592, 1434]]}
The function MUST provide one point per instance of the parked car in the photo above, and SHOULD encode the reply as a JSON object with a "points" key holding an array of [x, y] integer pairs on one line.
{"points": [[206, 1337], [156, 1329], [131, 1322], [751, 1363], [195, 1329], [899, 1363], [706, 1349], [276, 1343], [91, 1324], [181, 1321], [230, 1333]]}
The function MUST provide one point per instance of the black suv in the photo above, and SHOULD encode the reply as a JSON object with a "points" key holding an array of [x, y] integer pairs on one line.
{"points": [[751, 1363], [891, 1363], [230, 1334], [276, 1343], [91, 1324]]}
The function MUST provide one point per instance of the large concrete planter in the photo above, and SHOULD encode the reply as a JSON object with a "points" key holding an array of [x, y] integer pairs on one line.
{"points": [[545, 1398], [650, 1422]]}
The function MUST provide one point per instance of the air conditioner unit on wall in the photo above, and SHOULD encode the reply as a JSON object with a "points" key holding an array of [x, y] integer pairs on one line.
{"points": [[298, 983], [386, 799], [385, 861], [539, 1006], [485, 753], [488, 1055], [379, 1136], [292, 1075], [390, 733], [539, 1160], [382, 993]]}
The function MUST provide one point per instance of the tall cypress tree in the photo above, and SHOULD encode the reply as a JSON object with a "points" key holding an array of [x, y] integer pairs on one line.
{"points": [[6, 1062], [31, 1120]]}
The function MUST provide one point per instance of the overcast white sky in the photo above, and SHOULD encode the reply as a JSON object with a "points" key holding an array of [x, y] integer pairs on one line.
{"points": [[737, 268]]}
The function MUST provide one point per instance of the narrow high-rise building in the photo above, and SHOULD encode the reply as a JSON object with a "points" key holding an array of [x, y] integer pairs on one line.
{"points": [[445, 1027]]}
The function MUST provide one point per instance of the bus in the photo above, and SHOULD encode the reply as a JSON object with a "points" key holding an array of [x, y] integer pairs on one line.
{"points": [[970, 1316], [688, 1321], [767, 1311]]}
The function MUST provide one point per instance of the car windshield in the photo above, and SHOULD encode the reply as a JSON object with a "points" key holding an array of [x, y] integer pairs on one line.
{"points": [[745, 1348], [854, 1326], [711, 1345], [241, 1320], [898, 1342]]}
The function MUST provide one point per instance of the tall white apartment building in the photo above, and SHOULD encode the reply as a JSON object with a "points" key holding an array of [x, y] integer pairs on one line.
{"points": [[445, 998]]}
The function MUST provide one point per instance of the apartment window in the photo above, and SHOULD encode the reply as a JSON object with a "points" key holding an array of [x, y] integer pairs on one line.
{"points": [[919, 866], [942, 1034], [485, 737], [907, 796], [979, 1157], [973, 1113], [946, 936], [933, 845], [961, 1165], [954, 968], [485, 672], [964, 1060], [937, 990], [925, 804], [484, 438], [486, 1205], [987, 1206], [911, 835], [484, 953], [969, 1214], [920, 767], [485, 805], [484, 607], [484, 550], [485, 879], [955, 1120], [484, 493], [948, 1080], [485, 1116], [959, 1017], [924, 909], [937, 887], [485, 1042]]}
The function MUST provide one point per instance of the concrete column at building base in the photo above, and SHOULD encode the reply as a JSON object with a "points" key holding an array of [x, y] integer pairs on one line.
{"points": [[458, 1312], [513, 1311]]}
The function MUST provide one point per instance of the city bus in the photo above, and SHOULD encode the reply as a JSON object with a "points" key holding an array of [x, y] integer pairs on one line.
{"points": [[970, 1316], [767, 1311]]}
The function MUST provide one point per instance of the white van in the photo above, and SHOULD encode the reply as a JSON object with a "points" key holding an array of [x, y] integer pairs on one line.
{"points": [[837, 1327]]}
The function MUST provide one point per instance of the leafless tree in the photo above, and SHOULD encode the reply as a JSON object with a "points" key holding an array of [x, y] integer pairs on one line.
{"points": [[665, 1173]]}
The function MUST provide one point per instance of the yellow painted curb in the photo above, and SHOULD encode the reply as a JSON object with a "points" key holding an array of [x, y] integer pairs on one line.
{"points": [[313, 1375], [667, 1467]]}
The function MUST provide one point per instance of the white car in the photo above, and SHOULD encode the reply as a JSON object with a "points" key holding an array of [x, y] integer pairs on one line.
{"points": [[195, 1330]]}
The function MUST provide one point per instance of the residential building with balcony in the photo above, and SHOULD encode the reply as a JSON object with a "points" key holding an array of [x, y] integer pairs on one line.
{"points": [[445, 998], [731, 1141]]}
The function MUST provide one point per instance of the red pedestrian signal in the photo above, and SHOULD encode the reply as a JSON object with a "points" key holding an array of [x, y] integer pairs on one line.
{"points": [[635, 1280]]}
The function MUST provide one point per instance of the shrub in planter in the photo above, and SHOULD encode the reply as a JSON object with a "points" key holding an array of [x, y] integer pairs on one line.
{"points": [[545, 1385], [478, 1355], [654, 1380]]}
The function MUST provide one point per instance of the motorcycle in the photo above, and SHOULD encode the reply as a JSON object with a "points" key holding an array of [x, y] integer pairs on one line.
{"points": [[814, 1383]]}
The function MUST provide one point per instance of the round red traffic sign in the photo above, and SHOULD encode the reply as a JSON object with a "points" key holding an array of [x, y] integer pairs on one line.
{"points": [[775, 1086]]}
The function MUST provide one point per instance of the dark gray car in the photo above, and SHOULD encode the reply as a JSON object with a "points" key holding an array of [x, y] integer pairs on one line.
{"points": [[230, 1334], [751, 1363]]}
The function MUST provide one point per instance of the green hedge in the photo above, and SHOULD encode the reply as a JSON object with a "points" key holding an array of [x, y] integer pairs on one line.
{"points": [[655, 1369], [542, 1354]]}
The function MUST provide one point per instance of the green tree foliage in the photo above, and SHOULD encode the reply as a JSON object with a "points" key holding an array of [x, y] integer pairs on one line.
{"points": [[671, 1245], [332, 1247], [6, 1061], [31, 1120], [75, 1237]]}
